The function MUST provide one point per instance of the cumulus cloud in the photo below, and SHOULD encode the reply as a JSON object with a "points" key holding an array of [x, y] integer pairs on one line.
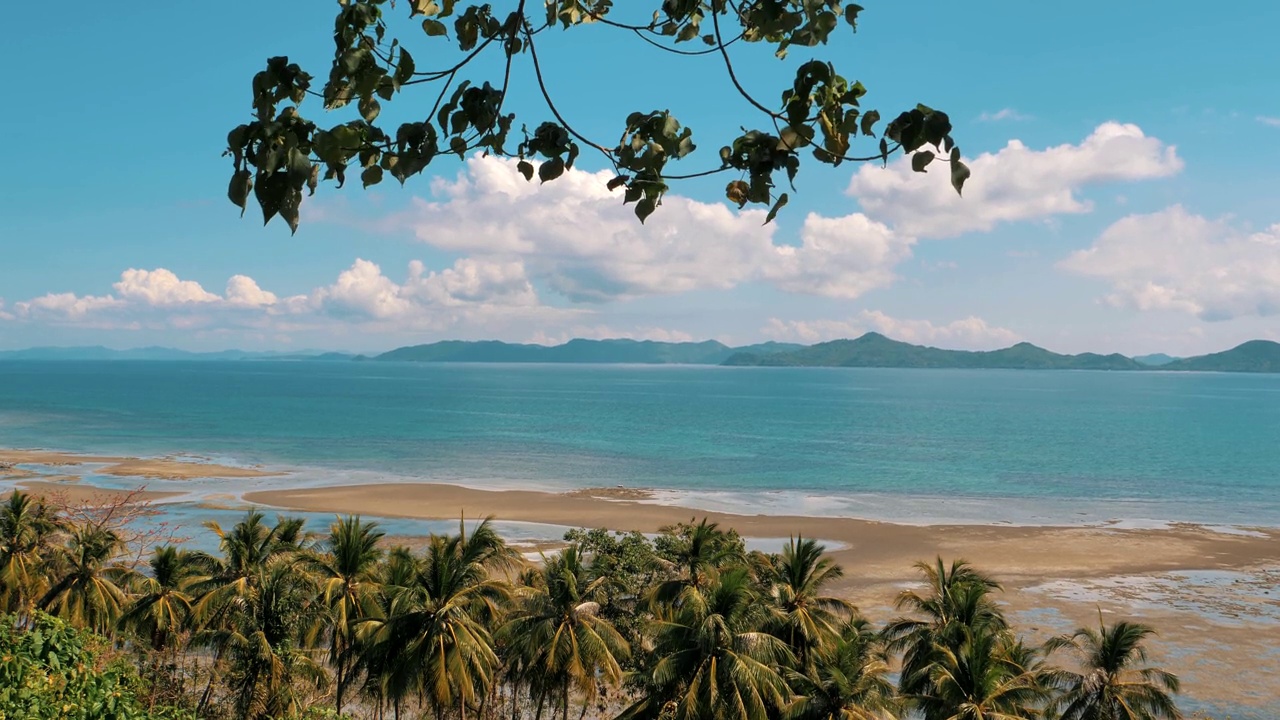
{"points": [[1176, 260], [1272, 121], [471, 291], [578, 238], [971, 333], [160, 287], [1002, 115], [1014, 184]]}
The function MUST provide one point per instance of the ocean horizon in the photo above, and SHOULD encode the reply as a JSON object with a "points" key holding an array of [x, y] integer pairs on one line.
{"points": [[906, 446]]}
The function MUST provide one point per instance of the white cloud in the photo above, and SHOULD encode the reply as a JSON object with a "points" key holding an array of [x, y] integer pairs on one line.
{"points": [[67, 306], [1272, 121], [160, 288], [1175, 260], [362, 297], [1014, 184], [243, 291], [839, 257], [1002, 115], [578, 238], [971, 333]]}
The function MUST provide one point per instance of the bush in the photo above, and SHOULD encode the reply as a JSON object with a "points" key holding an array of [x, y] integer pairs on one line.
{"points": [[49, 670]]}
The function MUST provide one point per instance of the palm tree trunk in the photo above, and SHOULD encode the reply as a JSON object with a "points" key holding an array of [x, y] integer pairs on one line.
{"points": [[208, 689], [542, 696], [564, 701]]}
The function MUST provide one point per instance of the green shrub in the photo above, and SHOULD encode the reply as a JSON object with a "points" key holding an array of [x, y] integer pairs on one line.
{"points": [[49, 670]]}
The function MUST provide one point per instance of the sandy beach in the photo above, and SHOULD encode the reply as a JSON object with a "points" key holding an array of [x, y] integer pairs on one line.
{"points": [[1214, 596]]}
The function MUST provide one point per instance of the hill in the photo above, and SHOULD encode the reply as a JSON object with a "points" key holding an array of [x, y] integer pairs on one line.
{"points": [[645, 352], [1255, 356], [1155, 359], [876, 350]]}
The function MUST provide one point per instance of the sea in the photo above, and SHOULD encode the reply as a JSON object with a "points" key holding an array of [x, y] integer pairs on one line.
{"points": [[913, 446]]}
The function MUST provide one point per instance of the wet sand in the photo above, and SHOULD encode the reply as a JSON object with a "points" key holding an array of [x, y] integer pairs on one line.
{"points": [[879, 550], [75, 494], [1223, 640], [165, 468]]}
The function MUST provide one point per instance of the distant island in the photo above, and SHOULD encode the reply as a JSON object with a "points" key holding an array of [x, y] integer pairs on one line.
{"points": [[869, 350]]}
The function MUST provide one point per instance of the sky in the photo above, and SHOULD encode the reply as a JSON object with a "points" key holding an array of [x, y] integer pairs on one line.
{"points": [[1125, 194]]}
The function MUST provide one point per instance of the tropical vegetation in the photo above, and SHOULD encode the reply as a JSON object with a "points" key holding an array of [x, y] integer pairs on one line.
{"points": [[281, 622]]}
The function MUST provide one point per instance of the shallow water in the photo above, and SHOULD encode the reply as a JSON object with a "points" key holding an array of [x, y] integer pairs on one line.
{"points": [[907, 445]]}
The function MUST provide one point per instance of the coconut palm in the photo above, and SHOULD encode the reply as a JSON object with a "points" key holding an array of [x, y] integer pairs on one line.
{"points": [[698, 552], [89, 589], [957, 604], [1116, 683], [977, 679], [713, 661], [558, 634], [26, 527], [347, 575], [803, 617], [847, 680], [435, 639], [162, 605], [264, 635], [233, 579]]}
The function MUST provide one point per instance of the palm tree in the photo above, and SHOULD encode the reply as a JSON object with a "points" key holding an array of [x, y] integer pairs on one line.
{"points": [[264, 634], [557, 632], [804, 618], [347, 573], [848, 680], [234, 578], [1116, 683], [697, 554], [435, 639], [957, 604], [89, 591], [978, 680], [162, 605], [26, 527], [713, 661]]}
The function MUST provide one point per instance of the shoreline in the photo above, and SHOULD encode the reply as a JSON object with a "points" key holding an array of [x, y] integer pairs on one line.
{"points": [[881, 550], [1212, 591]]}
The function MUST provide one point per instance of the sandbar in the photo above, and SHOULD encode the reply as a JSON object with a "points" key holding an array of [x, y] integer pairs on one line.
{"points": [[164, 468], [75, 494]]}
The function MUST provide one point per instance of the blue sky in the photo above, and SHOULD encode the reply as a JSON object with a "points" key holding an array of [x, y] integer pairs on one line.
{"points": [[1126, 162]]}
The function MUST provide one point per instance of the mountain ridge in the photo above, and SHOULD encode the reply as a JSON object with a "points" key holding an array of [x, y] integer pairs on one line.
{"points": [[868, 350]]}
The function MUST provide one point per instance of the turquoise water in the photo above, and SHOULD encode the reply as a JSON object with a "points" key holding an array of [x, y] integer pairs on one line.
{"points": [[908, 445]]}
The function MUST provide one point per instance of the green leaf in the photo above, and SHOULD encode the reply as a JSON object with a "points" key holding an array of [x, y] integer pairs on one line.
{"points": [[372, 175], [458, 145], [736, 192], [851, 15], [773, 211], [921, 160], [404, 69], [526, 169], [959, 173], [645, 208], [618, 182], [369, 108], [868, 122], [238, 190], [434, 28], [551, 169]]}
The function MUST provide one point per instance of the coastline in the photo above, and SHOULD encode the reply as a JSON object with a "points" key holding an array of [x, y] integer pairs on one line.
{"points": [[881, 551], [1213, 593]]}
